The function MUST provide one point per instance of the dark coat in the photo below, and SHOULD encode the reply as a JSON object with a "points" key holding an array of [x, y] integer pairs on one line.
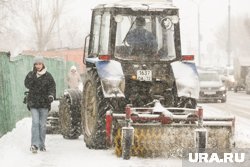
{"points": [[40, 88], [142, 41]]}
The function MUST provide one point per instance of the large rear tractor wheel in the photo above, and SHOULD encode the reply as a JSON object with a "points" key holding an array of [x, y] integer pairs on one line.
{"points": [[94, 107], [70, 115]]}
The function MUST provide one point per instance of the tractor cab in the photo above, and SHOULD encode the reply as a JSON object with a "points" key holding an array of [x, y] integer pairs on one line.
{"points": [[136, 46], [137, 32]]}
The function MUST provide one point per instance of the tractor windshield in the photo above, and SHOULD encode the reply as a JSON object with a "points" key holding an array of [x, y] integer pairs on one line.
{"points": [[145, 37]]}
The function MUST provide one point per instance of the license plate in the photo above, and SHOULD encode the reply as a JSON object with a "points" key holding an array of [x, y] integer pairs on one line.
{"points": [[144, 75], [210, 93]]}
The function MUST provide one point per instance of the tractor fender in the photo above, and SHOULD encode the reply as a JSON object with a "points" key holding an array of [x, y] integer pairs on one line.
{"points": [[186, 79], [111, 76]]}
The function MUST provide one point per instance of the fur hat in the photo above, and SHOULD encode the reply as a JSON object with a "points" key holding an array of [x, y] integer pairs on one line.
{"points": [[140, 21], [38, 59], [73, 68]]}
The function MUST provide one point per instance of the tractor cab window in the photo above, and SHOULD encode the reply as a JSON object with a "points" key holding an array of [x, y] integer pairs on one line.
{"points": [[100, 38], [95, 38], [144, 38]]}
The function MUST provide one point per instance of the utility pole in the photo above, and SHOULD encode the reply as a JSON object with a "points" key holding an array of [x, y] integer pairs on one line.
{"points": [[197, 3], [229, 35], [199, 35]]}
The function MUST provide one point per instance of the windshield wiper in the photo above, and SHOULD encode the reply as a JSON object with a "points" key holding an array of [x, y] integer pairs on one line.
{"points": [[129, 31]]}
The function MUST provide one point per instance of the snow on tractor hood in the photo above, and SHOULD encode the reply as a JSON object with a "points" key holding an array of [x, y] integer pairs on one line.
{"points": [[112, 78], [186, 78]]}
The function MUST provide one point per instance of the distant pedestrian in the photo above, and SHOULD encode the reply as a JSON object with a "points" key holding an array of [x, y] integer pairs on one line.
{"points": [[42, 92], [73, 78]]}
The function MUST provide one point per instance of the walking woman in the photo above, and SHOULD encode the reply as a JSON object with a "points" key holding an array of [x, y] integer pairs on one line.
{"points": [[42, 91]]}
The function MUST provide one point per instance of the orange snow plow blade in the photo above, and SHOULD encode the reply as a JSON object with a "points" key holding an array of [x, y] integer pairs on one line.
{"points": [[153, 139]]}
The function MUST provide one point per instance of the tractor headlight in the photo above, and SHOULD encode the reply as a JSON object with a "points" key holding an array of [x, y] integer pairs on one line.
{"points": [[175, 19]]}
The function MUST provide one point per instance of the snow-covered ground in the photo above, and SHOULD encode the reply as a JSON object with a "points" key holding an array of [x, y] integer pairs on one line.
{"points": [[242, 125], [14, 150]]}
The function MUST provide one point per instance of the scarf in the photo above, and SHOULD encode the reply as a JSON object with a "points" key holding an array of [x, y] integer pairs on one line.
{"points": [[40, 73]]}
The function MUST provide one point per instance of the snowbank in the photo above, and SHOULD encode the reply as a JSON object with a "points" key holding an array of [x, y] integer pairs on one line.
{"points": [[14, 151]]}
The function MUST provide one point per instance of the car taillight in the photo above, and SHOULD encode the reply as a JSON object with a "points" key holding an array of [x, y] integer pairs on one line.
{"points": [[187, 57], [105, 57]]}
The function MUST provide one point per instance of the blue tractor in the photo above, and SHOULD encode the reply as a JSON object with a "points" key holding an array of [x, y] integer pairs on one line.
{"points": [[139, 92]]}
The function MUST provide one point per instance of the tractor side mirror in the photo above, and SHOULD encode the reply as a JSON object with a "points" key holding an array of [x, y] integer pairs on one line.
{"points": [[86, 48]]}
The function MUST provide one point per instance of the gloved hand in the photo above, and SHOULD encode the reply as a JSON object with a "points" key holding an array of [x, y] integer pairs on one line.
{"points": [[34, 70], [51, 98]]}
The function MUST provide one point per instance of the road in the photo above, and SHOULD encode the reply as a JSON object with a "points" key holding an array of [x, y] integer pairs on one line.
{"points": [[237, 104]]}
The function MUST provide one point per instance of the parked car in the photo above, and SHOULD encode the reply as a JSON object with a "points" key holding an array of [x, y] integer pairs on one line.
{"points": [[211, 87]]}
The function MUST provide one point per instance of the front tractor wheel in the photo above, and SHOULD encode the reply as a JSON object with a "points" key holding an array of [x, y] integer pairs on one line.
{"points": [[94, 107], [69, 114]]}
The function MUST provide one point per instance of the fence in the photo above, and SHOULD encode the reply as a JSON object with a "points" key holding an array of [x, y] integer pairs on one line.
{"points": [[12, 75]]}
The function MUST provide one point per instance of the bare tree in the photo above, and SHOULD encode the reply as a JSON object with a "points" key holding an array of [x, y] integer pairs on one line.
{"points": [[40, 24], [73, 34], [5, 9], [240, 36], [45, 15]]}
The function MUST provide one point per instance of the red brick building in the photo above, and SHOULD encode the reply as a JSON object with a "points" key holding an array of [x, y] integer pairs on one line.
{"points": [[73, 55]]}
